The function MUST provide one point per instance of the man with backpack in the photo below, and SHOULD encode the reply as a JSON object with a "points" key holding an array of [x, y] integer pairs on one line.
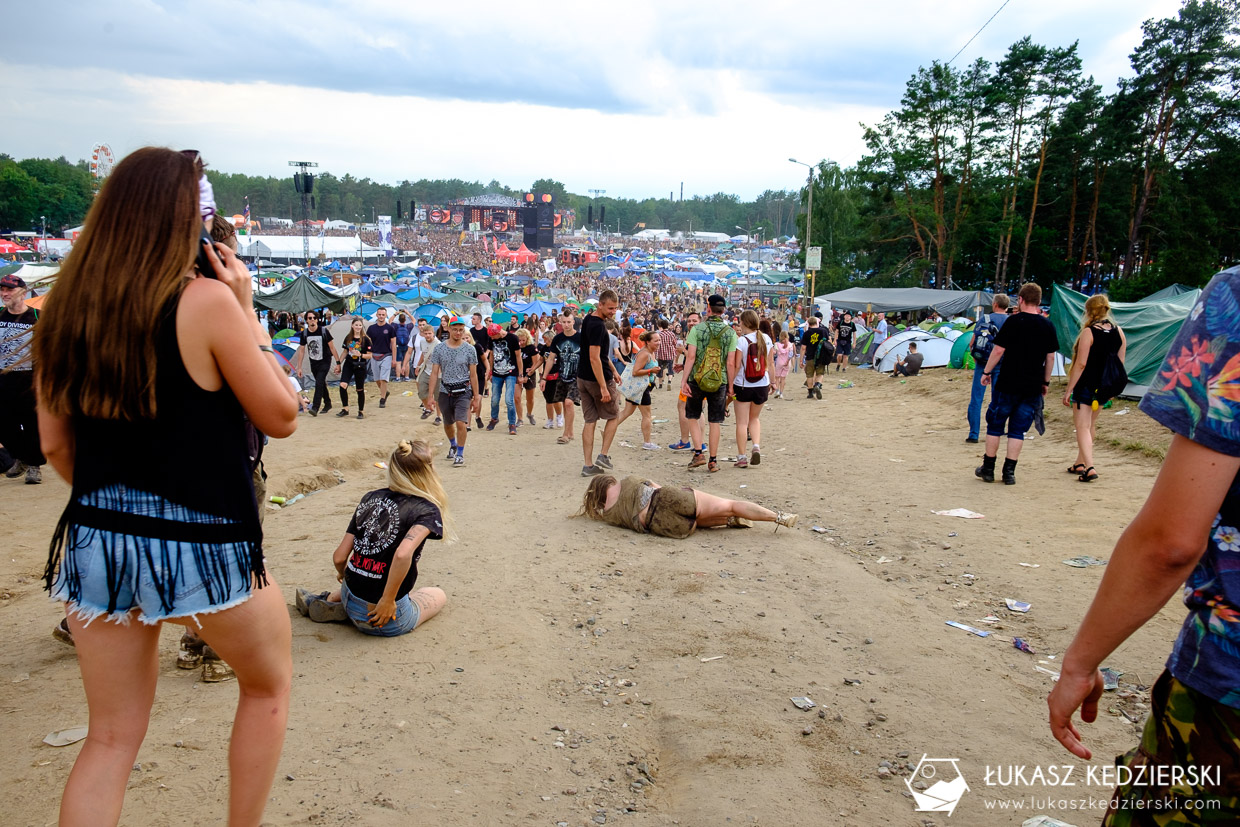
{"points": [[709, 375], [984, 333], [818, 354], [1026, 344]]}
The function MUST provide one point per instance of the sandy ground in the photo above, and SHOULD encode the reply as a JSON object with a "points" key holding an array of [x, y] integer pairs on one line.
{"points": [[583, 675]]}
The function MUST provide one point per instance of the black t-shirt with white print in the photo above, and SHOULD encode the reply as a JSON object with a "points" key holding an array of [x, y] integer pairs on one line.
{"points": [[504, 355], [380, 522]]}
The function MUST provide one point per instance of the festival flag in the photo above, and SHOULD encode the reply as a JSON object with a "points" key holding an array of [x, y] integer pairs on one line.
{"points": [[245, 214]]}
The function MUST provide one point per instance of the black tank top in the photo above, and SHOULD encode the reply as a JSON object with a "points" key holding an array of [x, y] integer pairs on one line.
{"points": [[1105, 343], [193, 453]]}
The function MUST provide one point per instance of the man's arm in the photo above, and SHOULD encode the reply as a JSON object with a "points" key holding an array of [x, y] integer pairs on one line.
{"points": [[690, 358], [996, 353]]}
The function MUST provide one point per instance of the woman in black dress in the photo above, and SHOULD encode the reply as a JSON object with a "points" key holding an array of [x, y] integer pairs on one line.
{"points": [[1100, 337]]}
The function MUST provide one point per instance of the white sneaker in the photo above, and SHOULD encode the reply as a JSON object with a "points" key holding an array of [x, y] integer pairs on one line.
{"points": [[550, 424], [650, 446], [559, 421]]}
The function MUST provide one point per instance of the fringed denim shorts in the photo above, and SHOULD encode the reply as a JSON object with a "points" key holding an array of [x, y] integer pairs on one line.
{"points": [[112, 571]]}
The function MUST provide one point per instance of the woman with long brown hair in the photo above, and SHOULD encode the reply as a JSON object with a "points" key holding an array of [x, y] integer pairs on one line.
{"points": [[1100, 337], [755, 362], [147, 537]]}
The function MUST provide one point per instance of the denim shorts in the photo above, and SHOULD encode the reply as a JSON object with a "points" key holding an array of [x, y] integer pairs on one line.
{"points": [[1011, 413], [109, 573], [403, 622]]}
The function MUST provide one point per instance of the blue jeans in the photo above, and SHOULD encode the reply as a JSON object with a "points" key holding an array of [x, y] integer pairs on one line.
{"points": [[977, 397], [406, 617], [498, 384], [1010, 414]]}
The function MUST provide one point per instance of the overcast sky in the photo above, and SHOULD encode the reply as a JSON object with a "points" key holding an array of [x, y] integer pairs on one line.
{"points": [[629, 97]]}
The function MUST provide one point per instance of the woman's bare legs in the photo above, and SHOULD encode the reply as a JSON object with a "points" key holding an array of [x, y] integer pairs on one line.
{"points": [[255, 639], [714, 511], [430, 600], [1086, 421], [755, 424], [629, 408], [119, 667], [742, 428], [647, 423]]}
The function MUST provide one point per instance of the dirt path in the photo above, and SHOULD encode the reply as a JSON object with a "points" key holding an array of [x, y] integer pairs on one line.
{"points": [[584, 675]]}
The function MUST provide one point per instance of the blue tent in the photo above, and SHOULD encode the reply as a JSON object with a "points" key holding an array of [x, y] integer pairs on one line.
{"points": [[367, 309], [425, 269], [543, 282], [333, 265], [417, 293], [612, 273], [430, 311], [365, 288], [539, 306], [391, 288]]}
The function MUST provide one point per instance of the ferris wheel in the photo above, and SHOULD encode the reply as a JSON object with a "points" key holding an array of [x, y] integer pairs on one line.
{"points": [[101, 161]]}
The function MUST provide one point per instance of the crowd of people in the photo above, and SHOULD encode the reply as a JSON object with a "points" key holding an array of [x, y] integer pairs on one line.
{"points": [[193, 357]]}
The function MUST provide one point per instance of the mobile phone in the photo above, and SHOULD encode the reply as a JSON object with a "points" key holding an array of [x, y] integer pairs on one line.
{"points": [[204, 257]]}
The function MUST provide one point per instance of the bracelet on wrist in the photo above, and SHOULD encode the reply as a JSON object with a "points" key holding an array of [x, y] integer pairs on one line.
{"points": [[266, 348]]}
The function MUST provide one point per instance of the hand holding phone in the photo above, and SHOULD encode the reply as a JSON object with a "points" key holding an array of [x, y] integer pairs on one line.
{"points": [[204, 257]]}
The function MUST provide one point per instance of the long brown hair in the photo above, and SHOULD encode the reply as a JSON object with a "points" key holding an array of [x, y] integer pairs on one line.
{"points": [[592, 504], [94, 351], [750, 320]]}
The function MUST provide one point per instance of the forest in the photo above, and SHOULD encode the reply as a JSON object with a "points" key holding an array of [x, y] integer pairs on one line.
{"points": [[986, 175]]}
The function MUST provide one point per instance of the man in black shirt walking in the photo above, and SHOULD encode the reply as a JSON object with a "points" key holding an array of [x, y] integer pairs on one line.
{"points": [[1026, 343], [596, 382]]}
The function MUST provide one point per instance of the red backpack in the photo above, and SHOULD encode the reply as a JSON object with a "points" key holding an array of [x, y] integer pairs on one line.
{"points": [[755, 365]]}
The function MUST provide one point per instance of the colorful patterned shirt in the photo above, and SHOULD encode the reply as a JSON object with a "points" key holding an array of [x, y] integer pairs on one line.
{"points": [[1197, 395]]}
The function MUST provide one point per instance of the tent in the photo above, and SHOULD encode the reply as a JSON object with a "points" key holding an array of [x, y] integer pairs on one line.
{"points": [[538, 307], [1149, 326], [302, 294], [523, 255], [901, 299], [1167, 293], [961, 351]]}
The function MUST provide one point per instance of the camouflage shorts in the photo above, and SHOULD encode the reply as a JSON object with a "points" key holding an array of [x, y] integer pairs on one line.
{"points": [[1185, 729]]}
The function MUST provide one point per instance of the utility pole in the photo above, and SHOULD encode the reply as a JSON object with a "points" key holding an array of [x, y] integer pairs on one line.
{"points": [[809, 220], [594, 194]]}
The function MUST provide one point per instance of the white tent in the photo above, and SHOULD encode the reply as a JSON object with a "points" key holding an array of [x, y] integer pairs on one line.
{"points": [[936, 351], [292, 247], [718, 238]]}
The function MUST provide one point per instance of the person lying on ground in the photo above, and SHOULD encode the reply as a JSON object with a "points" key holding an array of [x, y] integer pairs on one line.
{"points": [[649, 508], [377, 561]]}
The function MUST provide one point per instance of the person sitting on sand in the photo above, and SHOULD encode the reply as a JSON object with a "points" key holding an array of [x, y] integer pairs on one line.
{"points": [[377, 561], [909, 365], [649, 508]]}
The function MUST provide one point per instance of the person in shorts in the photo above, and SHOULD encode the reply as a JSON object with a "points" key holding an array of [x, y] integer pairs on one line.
{"points": [[454, 387], [422, 371], [649, 508], [382, 339], [597, 383], [716, 401], [813, 340], [564, 361], [665, 353]]}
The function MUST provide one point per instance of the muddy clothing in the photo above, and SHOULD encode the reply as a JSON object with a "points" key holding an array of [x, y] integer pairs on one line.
{"points": [[672, 511]]}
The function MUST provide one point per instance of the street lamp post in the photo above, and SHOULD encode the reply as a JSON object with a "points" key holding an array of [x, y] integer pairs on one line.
{"points": [[43, 218], [809, 220]]}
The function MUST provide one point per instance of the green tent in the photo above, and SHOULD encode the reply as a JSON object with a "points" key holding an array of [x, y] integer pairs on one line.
{"points": [[961, 351], [456, 298], [303, 294], [1149, 326]]}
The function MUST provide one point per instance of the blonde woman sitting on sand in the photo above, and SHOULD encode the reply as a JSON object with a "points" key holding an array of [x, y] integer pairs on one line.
{"points": [[649, 508], [377, 561]]}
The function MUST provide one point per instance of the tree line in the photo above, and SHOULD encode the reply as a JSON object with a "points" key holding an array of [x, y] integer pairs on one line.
{"points": [[989, 175], [62, 191]]}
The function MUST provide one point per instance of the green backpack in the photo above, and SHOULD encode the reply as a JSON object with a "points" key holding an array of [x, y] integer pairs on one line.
{"points": [[710, 368]]}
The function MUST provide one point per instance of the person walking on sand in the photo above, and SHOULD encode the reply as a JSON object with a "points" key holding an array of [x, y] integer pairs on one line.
{"points": [[506, 366], [817, 352], [645, 366], [684, 443], [666, 354], [167, 390], [709, 374], [784, 355], [547, 383], [984, 333], [422, 372], [752, 364], [1026, 343], [19, 424], [454, 387], [1184, 539], [531, 361], [564, 363], [356, 352], [382, 335], [318, 347], [597, 383], [1100, 342], [844, 334]]}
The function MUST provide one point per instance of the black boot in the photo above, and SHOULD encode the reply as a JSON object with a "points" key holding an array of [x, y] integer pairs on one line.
{"points": [[1009, 472], [986, 471]]}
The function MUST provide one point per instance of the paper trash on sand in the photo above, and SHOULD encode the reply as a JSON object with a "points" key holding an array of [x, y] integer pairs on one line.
{"points": [[65, 737], [959, 512]]}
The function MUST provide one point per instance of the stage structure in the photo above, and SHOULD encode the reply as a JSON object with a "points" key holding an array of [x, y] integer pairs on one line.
{"points": [[304, 183]]}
